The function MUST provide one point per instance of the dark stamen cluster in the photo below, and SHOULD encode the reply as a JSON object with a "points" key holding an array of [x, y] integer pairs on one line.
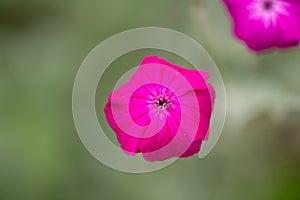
{"points": [[163, 103]]}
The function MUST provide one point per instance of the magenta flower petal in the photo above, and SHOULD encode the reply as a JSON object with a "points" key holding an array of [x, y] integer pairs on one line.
{"points": [[265, 24], [163, 111], [197, 79]]}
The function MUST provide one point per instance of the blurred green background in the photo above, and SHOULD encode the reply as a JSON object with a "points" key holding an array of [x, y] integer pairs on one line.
{"points": [[42, 44]]}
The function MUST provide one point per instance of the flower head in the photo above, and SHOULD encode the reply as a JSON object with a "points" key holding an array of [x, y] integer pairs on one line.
{"points": [[264, 24], [163, 111]]}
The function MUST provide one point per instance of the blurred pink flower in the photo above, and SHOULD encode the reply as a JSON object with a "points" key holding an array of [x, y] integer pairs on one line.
{"points": [[264, 24], [157, 112]]}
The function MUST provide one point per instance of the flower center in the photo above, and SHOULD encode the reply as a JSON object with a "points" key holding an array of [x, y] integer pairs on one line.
{"points": [[163, 102], [267, 11], [162, 105], [268, 5]]}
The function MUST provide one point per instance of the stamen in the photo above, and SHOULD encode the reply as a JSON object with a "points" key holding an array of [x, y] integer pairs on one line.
{"points": [[162, 102]]}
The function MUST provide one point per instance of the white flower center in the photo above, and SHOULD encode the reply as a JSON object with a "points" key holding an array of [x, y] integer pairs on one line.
{"points": [[267, 11], [160, 103]]}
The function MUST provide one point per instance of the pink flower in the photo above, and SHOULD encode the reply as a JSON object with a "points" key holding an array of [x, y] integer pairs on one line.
{"points": [[163, 111], [264, 24]]}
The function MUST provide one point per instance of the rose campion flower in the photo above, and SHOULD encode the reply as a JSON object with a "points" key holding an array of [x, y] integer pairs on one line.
{"points": [[264, 24], [163, 111]]}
